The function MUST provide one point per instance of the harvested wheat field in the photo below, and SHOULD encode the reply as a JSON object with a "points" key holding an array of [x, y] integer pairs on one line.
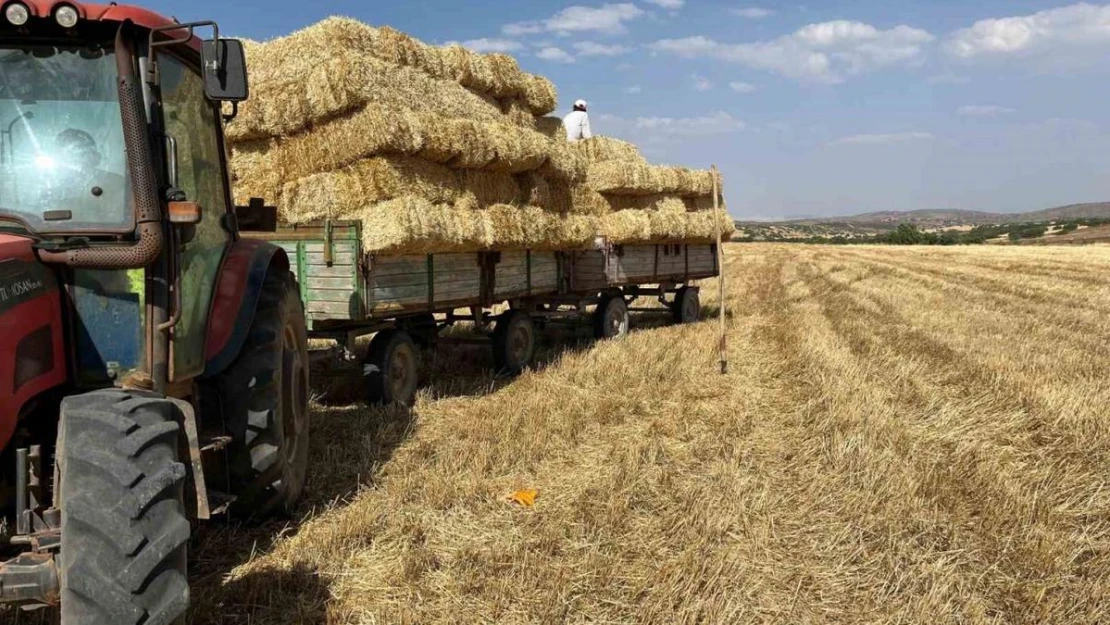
{"points": [[907, 435]]}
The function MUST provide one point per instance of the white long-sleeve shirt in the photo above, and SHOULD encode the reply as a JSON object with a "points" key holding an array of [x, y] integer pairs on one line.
{"points": [[577, 125]]}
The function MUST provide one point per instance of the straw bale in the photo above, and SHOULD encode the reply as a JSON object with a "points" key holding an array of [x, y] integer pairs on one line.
{"points": [[518, 113], [540, 94], [600, 149], [645, 226], [662, 203], [266, 164], [379, 179], [631, 178], [312, 93], [551, 127], [493, 74], [414, 225]]}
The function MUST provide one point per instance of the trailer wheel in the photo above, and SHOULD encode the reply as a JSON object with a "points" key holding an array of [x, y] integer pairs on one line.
{"points": [[687, 305], [611, 318], [122, 557], [392, 369], [265, 399], [514, 342]]}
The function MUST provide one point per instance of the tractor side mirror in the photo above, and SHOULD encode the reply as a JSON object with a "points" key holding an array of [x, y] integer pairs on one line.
{"points": [[225, 70], [256, 217]]}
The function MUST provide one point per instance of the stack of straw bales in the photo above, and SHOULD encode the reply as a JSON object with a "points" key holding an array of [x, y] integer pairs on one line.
{"points": [[440, 149]]}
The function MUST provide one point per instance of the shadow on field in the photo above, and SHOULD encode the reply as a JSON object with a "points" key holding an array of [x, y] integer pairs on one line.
{"points": [[348, 446], [271, 596]]}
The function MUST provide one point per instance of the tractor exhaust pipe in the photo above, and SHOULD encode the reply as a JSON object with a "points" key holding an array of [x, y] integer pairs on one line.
{"points": [[144, 188]]}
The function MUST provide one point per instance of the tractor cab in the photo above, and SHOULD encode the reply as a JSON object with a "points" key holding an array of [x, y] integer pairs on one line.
{"points": [[152, 362]]}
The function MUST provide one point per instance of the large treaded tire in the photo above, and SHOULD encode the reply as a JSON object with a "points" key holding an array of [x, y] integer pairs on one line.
{"points": [[125, 533], [264, 395]]}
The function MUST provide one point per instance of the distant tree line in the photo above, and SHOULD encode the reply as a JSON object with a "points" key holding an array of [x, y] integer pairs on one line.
{"points": [[910, 234]]}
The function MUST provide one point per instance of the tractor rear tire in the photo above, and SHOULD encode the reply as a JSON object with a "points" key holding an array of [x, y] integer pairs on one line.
{"points": [[264, 395], [121, 489], [514, 342]]}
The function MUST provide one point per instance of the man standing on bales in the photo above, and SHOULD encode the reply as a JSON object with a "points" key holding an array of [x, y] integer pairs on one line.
{"points": [[578, 123]]}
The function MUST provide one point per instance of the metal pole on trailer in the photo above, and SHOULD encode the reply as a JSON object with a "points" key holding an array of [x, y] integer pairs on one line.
{"points": [[723, 347]]}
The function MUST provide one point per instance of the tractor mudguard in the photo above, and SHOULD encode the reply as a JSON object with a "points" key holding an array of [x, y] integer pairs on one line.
{"points": [[33, 359], [239, 286]]}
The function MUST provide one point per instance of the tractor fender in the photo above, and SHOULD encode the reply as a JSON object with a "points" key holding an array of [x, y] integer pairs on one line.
{"points": [[33, 359], [238, 287]]}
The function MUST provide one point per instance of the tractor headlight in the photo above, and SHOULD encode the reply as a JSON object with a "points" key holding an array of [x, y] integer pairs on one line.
{"points": [[66, 16], [17, 14]]}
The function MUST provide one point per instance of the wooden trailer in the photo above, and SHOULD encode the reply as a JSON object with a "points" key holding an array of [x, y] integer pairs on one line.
{"points": [[407, 301]]}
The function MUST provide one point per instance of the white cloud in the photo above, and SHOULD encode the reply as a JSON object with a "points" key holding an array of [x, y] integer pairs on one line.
{"points": [[607, 19], [742, 87], [883, 139], [634, 90], [752, 13], [492, 45], [828, 52], [624, 67], [590, 48], [556, 55], [948, 79], [983, 110], [701, 83], [522, 28], [668, 4], [1065, 34], [655, 128]]}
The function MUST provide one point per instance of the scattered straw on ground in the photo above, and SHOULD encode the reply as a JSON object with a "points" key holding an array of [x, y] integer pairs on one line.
{"points": [[906, 435]]}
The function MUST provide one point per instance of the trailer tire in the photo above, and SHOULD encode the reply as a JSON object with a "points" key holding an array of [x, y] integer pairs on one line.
{"points": [[264, 395], [687, 305], [121, 490], [514, 342], [392, 369], [611, 318]]}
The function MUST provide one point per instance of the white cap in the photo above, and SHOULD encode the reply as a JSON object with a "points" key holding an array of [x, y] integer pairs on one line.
{"points": [[580, 103]]}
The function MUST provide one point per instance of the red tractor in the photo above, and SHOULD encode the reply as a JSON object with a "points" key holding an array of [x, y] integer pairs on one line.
{"points": [[153, 367]]}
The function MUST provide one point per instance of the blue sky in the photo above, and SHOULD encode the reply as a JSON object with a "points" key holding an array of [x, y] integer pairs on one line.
{"points": [[821, 108]]}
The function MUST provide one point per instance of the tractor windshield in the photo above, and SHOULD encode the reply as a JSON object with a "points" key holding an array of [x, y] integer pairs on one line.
{"points": [[62, 161]]}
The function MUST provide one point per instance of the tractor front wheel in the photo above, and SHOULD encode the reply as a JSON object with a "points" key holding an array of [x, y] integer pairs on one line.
{"points": [[122, 558]]}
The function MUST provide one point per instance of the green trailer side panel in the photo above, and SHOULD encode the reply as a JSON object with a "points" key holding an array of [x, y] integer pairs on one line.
{"points": [[331, 291]]}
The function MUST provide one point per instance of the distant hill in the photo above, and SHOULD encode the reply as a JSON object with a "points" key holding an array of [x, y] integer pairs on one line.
{"points": [[886, 220]]}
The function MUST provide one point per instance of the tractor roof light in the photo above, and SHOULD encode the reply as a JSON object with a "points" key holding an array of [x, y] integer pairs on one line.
{"points": [[17, 14], [66, 16]]}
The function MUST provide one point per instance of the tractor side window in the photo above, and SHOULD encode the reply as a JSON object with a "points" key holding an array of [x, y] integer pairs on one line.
{"points": [[190, 121]]}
